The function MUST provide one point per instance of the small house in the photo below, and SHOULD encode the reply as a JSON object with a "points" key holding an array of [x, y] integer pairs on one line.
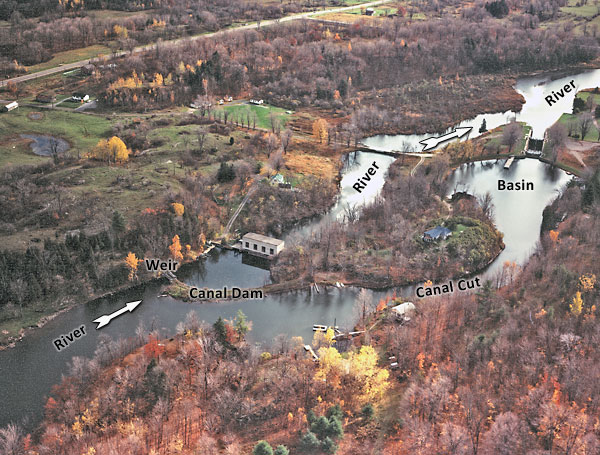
{"points": [[81, 97], [404, 311], [437, 233], [257, 102], [261, 245], [10, 106], [369, 11], [46, 97]]}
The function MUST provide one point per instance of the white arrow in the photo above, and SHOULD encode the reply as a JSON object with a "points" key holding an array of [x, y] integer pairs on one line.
{"points": [[104, 320], [432, 142]]}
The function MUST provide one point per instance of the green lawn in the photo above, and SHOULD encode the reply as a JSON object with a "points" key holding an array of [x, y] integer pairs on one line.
{"points": [[588, 10], [585, 95], [80, 130], [496, 140], [459, 228], [75, 55], [263, 113], [592, 134]]}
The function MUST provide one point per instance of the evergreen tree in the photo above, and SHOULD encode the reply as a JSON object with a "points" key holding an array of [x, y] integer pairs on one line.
{"points": [[241, 324], [262, 448], [329, 446], [226, 173], [309, 443], [118, 222], [578, 105], [320, 427], [483, 127], [281, 450], [335, 429], [221, 331], [367, 411], [335, 411]]}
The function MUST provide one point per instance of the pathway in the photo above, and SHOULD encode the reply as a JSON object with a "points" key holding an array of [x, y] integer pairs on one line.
{"points": [[239, 209], [414, 169]]}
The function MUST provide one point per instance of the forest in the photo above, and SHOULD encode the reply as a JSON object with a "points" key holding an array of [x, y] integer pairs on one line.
{"points": [[38, 29], [381, 244], [502, 371], [378, 79]]}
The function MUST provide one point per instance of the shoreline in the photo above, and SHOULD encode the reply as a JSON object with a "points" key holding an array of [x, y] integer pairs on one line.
{"points": [[302, 285]]}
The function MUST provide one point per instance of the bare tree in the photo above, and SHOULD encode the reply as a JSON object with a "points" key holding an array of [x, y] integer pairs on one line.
{"points": [[363, 306], [511, 134], [201, 138], [585, 123], [276, 160], [10, 440], [286, 139], [487, 204], [556, 138]]}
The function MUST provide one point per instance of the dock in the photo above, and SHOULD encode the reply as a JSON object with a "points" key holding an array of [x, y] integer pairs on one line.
{"points": [[308, 348], [509, 162], [341, 336]]}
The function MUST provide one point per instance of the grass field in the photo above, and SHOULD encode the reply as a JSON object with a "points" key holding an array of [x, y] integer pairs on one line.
{"points": [[588, 10], [75, 55], [496, 140], [585, 95], [263, 113], [81, 131], [592, 134], [114, 14]]}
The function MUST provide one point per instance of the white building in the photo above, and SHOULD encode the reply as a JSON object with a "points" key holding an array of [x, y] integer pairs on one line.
{"points": [[10, 106], [404, 311], [261, 245]]}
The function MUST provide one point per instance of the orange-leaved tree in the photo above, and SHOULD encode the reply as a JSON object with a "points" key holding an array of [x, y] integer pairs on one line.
{"points": [[132, 264], [175, 248], [153, 349]]}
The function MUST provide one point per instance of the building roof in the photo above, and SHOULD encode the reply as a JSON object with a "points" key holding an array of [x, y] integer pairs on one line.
{"points": [[438, 231], [403, 308], [263, 239]]}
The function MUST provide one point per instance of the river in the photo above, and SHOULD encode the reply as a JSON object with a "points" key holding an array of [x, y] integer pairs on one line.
{"points": [[28, 371]]}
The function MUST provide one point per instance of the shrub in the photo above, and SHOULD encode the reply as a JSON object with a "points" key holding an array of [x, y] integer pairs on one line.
{"points": [[262, 448], [281, 450], [309, 443]]}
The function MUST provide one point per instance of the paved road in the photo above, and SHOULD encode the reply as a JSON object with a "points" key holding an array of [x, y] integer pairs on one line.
{"points": [[79, 64]]}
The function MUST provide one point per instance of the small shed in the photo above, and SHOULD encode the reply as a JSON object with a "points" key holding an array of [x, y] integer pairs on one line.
{"points": [[46, 97], [261, 245], [404, 310], [10, 106], [437, 233]]}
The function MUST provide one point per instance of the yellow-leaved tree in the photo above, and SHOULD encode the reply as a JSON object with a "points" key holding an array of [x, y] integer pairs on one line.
{"points": [[114, 150], [330, 336], [178, 208], [374, 379], [577, 306], [132, 264], [320, 129], [331, 367]]}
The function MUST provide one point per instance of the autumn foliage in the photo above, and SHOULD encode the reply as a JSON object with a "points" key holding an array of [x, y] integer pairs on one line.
{"points": [[112, 151]]}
